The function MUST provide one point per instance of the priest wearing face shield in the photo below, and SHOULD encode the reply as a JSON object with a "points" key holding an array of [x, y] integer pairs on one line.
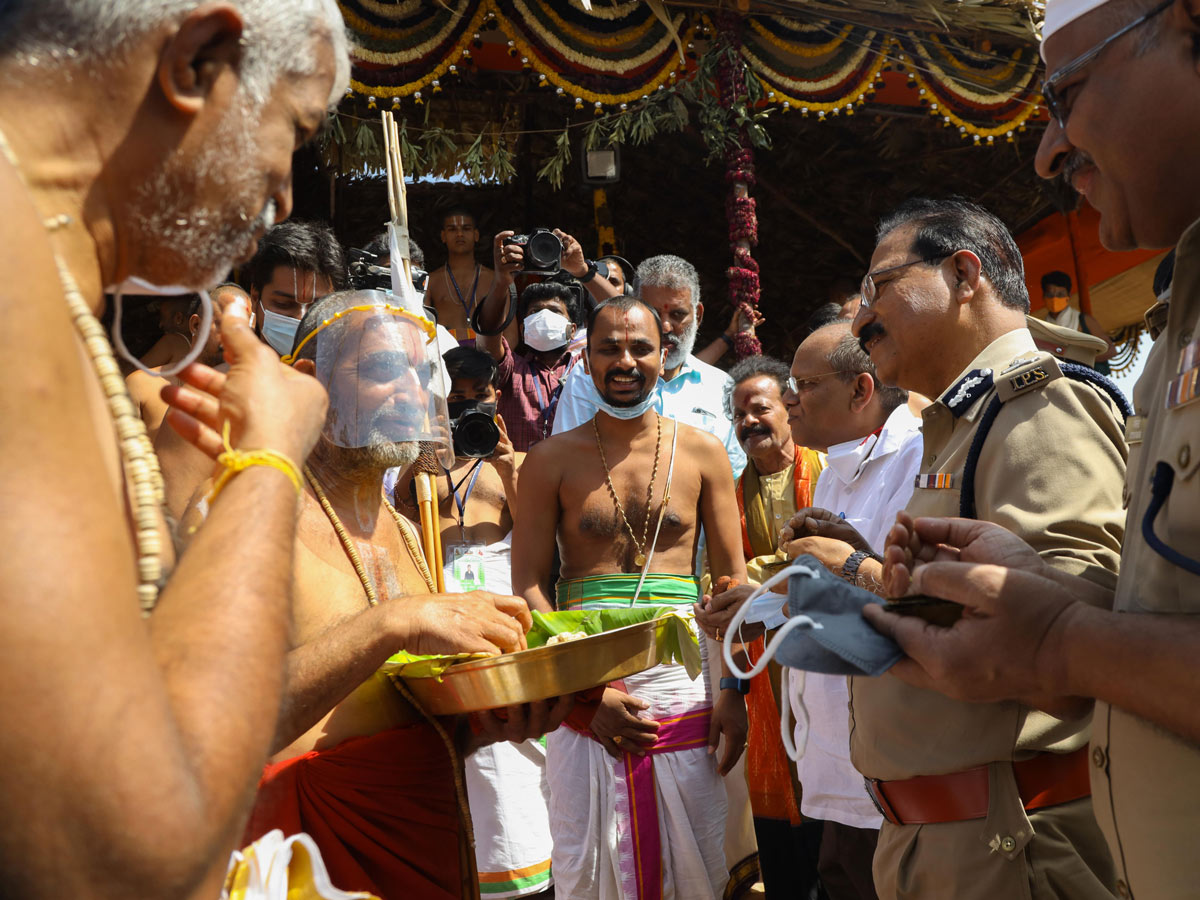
{"points": [[356, 766]]}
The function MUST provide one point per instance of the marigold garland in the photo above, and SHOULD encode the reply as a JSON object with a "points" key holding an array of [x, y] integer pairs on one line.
{"points": [[595, 63], [777, 95], [952, 88], [626, 36], [796, 49], [414, 88]]}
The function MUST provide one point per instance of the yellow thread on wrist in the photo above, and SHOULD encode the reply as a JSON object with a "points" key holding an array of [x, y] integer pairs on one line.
{"points": [[235, 461]]}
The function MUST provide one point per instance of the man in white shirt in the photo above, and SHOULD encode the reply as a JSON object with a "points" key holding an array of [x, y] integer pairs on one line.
{"points": [[689, 390], [836, 404]]}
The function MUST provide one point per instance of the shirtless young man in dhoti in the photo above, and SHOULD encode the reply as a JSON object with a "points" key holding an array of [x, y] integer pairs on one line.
{"points": [[600, 488], [357, 766]]}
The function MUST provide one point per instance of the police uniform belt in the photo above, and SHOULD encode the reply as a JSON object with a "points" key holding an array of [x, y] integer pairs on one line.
{"points": [[1047, 779]]}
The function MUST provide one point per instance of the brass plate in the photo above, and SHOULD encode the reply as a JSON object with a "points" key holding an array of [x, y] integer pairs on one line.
{"points": [[544, 672]]}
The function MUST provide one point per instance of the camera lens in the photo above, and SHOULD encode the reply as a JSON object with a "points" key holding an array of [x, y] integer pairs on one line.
{"points": [[475, 435], [544, 251]]}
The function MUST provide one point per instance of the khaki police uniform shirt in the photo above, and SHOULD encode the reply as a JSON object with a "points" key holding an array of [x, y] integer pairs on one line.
{"points": [[1051, 471], [1145, 780]]}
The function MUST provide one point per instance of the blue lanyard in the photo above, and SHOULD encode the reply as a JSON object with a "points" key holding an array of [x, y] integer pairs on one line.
{"points": [[546, 411], [461, 502], [458, 293]]}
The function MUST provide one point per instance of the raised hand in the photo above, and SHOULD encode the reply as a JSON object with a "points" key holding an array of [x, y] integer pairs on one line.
{"points": [[573, 260], [506, 258]]}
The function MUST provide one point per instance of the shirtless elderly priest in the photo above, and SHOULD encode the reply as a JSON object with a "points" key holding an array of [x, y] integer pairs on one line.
{"points": [[357, 767], [600, 488]]}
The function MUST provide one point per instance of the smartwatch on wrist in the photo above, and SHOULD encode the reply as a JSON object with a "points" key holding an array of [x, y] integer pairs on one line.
{"points": [[854, 560], [727, 339], [729, 683], [592, 269]]}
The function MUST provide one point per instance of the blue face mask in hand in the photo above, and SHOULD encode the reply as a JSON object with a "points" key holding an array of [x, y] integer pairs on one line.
{"points": [[825, 631]]}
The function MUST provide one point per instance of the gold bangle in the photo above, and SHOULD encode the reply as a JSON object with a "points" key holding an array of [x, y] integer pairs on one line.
{"points": [[235, 461]]}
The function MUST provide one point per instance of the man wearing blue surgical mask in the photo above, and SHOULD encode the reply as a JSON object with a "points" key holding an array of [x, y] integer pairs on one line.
{"points": [[297, 263], [530, 378]]}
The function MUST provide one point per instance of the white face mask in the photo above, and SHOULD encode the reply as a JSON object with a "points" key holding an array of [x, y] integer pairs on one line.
{"points": [[628, 412], [547, 330], [761, 606], [279, 331], [138, 286]]}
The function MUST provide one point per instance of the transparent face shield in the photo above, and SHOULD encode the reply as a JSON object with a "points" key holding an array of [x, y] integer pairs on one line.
{"points": [[381, 368]]}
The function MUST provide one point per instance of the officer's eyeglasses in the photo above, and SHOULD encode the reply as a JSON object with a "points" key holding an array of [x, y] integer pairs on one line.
{"points": [[804, 385], [869, 289], [1051, 90]]}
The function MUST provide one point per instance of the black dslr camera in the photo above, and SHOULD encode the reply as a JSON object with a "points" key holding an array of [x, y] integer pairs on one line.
{"points": [[365, 273], [473, 428], [543, 251]]}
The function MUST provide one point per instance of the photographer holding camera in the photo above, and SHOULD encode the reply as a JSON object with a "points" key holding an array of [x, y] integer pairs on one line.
{"points": [[530, 377]]}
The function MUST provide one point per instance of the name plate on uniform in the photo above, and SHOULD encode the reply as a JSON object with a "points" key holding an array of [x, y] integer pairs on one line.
{"points": [[1135, 429]]}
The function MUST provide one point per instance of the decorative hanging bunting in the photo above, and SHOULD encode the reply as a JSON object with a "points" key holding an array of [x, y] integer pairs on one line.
{"points": [[610, 57]]}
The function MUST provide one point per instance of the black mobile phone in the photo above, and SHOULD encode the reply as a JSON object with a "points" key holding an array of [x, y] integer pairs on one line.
{"points": [[932, 609]]}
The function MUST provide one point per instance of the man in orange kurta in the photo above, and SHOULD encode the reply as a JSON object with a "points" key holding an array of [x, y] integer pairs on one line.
{"points": [[778, 480]]}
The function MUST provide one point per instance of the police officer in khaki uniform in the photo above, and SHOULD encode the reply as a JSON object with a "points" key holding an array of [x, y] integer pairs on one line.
{"points": [[992, 800], [1126, 137]]}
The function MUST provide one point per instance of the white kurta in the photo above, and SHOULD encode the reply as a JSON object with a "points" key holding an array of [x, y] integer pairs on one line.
{"points": [[867, 481]]}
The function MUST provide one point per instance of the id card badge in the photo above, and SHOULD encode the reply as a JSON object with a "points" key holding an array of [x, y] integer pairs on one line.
{"points": [[467, 566]]}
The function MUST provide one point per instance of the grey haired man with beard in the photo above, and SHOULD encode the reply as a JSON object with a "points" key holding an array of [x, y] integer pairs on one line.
{"points": [[355, 765], [149, 139], [689, 389]]}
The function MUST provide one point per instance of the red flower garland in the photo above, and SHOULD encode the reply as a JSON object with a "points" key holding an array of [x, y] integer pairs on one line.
{"points": [[739, 174]]}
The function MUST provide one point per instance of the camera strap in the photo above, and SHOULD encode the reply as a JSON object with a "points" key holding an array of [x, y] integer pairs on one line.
{"points": [[546, 410], [461, 502]]}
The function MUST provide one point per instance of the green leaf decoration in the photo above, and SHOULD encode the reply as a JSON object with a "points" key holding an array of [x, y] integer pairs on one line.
{"points": [[556, 165], [472, 161], [501, 166]]}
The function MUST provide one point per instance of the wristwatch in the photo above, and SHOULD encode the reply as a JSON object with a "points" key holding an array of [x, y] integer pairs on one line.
{"points": [[854, 560], [590, 273], [729, 683]]}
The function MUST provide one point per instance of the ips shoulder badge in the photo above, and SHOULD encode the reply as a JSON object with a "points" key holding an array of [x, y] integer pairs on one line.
{"points": [[1028, 373]]}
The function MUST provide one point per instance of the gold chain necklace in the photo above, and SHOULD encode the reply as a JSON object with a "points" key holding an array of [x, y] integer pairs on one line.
{"points": [[640, 559], [140, 463]]}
